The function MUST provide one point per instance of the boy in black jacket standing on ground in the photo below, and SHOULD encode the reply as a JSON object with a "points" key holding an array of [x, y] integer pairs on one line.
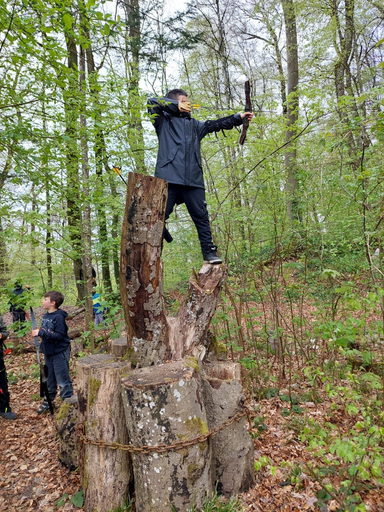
{"points": [[179, 159], [55, 345], [5, 410]]}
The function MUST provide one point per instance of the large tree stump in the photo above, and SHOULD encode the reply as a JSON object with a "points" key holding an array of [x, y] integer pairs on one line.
{"points": [[106, 473], [163, 404], [232, 447], [140, 269], [153, 336]]}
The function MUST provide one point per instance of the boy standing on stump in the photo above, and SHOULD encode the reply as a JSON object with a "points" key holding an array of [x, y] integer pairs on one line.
{"points": [[179, 159]]}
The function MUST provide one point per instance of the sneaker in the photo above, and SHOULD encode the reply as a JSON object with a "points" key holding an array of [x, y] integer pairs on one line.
{"points": [[8, 414], [43, 407], [71, 399], [211, 257]]}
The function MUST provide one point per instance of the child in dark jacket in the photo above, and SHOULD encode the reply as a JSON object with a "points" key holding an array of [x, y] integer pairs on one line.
{"points": [[179, 159], [5, 409], [55, 345]]}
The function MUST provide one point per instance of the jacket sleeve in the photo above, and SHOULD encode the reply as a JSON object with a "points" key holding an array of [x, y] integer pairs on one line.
{"points": [[215, 125], [156, 106], [3, 330], [58, 334]]}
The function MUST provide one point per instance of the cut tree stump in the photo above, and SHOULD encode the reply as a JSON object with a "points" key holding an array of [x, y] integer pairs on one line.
{"points": [[163, 405], [140, 269], [106, 473], [153, 336], [119, 346], [167, 398], [232, 447]]}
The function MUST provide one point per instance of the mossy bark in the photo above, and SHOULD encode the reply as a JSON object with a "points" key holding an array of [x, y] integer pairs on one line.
{"points": [[66, 419], [163, 404], [106, 473]]}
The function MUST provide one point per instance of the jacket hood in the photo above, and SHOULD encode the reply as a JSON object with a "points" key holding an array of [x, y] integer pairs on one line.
{"points": [[60, 312]]}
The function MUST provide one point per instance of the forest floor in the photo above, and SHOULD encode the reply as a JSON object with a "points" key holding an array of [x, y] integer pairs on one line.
{"points": [[32, 479]]}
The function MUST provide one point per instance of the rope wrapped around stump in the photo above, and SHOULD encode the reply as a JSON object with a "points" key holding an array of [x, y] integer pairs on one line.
{"points": [[161, 448]]}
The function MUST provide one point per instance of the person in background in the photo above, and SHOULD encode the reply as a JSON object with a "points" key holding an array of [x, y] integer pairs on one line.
{"points": [[18, 304], [98, 309], [5, 409], [55, 345]]}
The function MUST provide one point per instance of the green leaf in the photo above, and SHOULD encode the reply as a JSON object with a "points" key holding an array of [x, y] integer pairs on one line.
{"points": [[78, 499], [107, 29], [67, 19], [61, 501]]}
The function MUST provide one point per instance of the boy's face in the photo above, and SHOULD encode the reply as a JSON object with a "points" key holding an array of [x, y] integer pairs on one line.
{"points": [[184, 103], [48, 303]]}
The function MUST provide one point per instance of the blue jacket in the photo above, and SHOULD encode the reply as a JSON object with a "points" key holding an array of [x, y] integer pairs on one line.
{"points": [[179, 157], [54, 333]]}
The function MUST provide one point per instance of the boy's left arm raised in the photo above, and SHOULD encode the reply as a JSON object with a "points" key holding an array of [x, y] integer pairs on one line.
{"points": [[223, 123]]}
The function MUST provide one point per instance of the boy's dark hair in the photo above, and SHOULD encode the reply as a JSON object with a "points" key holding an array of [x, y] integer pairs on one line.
{"points": [[56, 297], [175, 93]]}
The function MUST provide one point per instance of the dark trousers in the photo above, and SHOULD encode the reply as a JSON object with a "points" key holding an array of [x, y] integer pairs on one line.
{"points": [[18, 319], [194, 199], [4, 394], [58, 374]]}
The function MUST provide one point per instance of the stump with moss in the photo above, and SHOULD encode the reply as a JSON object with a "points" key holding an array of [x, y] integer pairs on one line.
{"points": [[164, 405], [106, 474]]}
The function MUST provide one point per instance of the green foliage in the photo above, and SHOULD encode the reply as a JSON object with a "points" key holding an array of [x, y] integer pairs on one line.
{"points": [[215, 503], [77, 500], [358, 455], [127, 507]]}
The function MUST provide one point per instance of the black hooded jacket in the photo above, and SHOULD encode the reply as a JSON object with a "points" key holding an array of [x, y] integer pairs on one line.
{"points": [[179, 158], [54, 333]]}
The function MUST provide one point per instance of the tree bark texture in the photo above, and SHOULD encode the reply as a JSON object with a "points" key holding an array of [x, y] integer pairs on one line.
{"points": [[232, 447], [66, 419], [293, 208], [154, 337], [188, 331], [164, 404], [140, 268], [106, 473], [119, 346]]}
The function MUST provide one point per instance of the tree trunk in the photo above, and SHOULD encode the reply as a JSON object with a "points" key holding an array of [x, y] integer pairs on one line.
{"points": [[140, 269], [189, 328], [163, 404], [106, 473], [152, 335], [293, 205], [71, 161], [232, 448], [86, 229]]}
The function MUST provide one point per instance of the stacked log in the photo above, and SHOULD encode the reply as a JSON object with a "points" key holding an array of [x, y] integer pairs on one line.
{"points": [[163, 405], [106, 474], [232, 447]]}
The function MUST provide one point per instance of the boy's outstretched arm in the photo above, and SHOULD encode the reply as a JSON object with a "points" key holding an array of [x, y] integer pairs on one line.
{"points": [[223, 123]]}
